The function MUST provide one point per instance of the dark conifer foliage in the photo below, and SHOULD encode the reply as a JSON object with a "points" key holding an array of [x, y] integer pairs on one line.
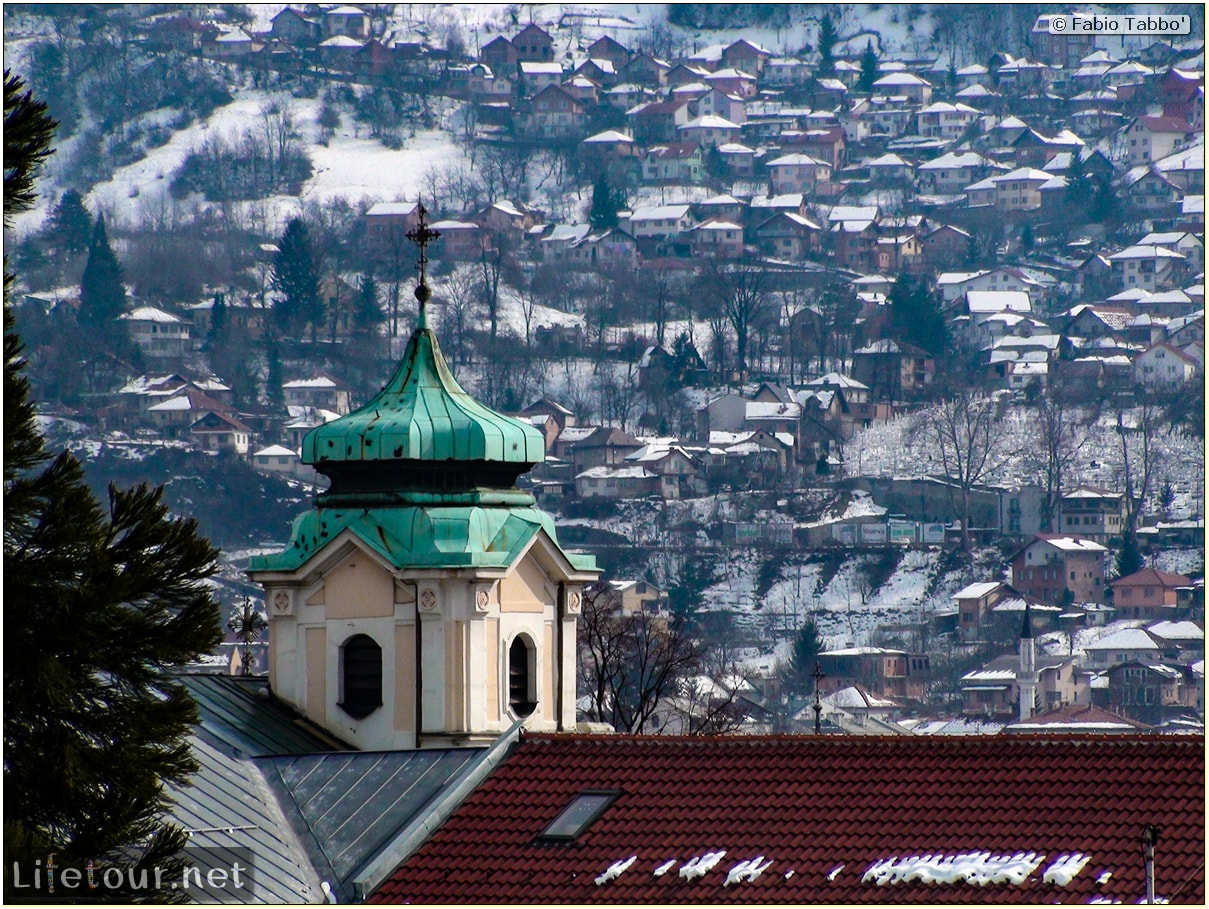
{"points": [[607, 201], [916, 318], [27, 134], [102, 293], [71, 225], [296, 280], [868, 68], [806, 649], [827, 40], [100, 605]]}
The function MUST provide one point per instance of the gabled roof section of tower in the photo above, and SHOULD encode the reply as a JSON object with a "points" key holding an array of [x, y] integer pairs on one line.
{"points": [[423, 414]]}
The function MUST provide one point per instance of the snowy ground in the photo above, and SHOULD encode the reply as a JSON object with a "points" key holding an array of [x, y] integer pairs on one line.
{"points": [[890, 449]]}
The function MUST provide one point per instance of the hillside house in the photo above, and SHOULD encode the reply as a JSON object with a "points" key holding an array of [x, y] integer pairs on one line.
{"points": [[945, 120], [645, 70], [1149, 594], [915, 89], [1148, 267], [716, 238], [660, 222], [1053, 568], [293, 27], [459, 241], [1092, 513], [606, 48], [796, 173], [157, 333], [733, 82], [319, 391], [347, 21], [606, 446], [994, 690], [709, 131], [946, 246], [553, 111], [1147, 139], [221, 432], [533, 43], [1154, 693], [677, 162], [629, 482], [1059, 48], [501, 56], [1164, 366], [788, 236], [387, 223], [746, 55], [1129, 645], [884, 672], [894, 370]]}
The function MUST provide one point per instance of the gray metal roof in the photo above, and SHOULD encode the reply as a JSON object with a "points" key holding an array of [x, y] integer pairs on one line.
{"points": [[239, 714], [353, 804], [230, 814]]}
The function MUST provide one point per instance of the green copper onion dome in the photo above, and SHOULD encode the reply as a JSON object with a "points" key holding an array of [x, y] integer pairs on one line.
{"points": [[422, 433]]}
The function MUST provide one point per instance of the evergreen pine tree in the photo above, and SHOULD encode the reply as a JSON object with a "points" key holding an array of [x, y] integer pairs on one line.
{"points": [[606, 203], [868, 68], [216, 337], [367, 311], [27, 134], [70, 224], [296, 280], [1129, 556], [806, 649], [275, 381], [1027, 239], [827, 39], [102, 293], [915, 317], [101, 605]]}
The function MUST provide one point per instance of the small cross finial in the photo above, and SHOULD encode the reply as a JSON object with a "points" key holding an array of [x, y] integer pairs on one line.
{"points": [[818, 704], [422, 235]]}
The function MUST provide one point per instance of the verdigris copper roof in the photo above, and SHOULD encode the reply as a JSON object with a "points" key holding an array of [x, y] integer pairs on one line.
{"points": [[423, 414], [412, 536]]}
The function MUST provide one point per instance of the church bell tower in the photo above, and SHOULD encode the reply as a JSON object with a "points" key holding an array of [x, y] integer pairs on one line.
{"points": [[424, 601]]}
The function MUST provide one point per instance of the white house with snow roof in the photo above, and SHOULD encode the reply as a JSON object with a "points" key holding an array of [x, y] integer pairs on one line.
{"points": [[158, 333], [796, 173], [1128, 645], [1148, 267]]}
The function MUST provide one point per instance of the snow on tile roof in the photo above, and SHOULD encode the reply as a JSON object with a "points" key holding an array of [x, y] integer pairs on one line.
{"points": [[619, 473], [1126, 639], [825, 820], [610, 135], [313, 382], [149, 314], [392, 208], [275, 451], [976, 590]]}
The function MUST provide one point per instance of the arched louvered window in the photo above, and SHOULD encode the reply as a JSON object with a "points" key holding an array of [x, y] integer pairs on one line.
{"points": [[361, 676], [522, 684]]}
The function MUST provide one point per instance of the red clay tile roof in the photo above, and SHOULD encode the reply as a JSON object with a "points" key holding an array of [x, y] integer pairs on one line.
{"points": [[827, 815]]}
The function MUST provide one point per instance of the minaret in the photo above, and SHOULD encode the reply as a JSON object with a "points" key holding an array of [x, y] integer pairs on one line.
{"points": [[1026, 677], [424, 601]]}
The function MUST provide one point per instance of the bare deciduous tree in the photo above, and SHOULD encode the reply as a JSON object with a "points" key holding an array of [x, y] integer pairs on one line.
{"points": [[630, 663], [1060, 437], [963, 432]]}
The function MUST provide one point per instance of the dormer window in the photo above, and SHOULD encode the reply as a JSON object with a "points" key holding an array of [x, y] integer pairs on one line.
{"points": [[579, 815]]}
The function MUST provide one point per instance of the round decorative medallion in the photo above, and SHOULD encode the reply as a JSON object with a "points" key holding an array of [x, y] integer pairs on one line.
{"points": [[428, 599], [573, 601], [480, 599], [281, 602]]}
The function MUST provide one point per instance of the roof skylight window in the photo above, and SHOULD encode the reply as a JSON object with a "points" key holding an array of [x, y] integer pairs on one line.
{"points": [[573, 820]]}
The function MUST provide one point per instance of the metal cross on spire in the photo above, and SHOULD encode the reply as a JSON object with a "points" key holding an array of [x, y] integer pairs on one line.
{"points": [[818, 704], [422, 235]]}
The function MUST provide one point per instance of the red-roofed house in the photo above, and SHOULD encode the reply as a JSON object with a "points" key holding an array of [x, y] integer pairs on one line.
{"points": [[830, 820], [1164, 365], [1149, 138], [1148, 594]]}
